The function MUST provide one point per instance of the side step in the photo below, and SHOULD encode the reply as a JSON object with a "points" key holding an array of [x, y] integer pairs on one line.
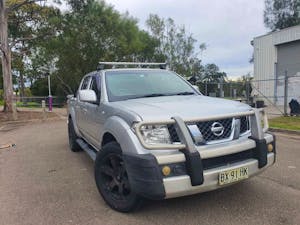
{"points": [[89, 150]]}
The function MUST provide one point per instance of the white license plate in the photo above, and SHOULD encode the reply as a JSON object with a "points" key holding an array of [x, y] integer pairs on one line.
{"points": [[230, 176]]}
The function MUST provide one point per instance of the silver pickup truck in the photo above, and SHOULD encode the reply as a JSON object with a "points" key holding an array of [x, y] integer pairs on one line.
{"points": [[154, 136]]}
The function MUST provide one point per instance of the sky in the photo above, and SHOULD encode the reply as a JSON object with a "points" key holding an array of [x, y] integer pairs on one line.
{"points": [[227, 27]]}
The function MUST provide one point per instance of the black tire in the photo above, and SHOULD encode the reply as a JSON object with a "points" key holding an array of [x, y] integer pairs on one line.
{"points": [[74, 146], [112, 180]]}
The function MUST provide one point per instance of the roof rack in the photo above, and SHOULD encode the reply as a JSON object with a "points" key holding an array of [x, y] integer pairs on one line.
{"points": [[102, 65]]}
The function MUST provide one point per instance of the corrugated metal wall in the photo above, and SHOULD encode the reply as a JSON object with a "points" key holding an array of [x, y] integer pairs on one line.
{"points": [[264, 65], [265, 59], [288, 58], [286, 35]]}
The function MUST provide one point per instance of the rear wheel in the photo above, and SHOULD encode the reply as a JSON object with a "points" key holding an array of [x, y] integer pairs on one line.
{"points": [[74, 146], [112, 179]]}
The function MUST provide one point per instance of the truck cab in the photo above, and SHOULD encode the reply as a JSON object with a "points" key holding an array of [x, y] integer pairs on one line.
{"points": [[154, 136]]}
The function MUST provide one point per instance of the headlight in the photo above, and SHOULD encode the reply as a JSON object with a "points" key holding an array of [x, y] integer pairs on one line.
{"points": [[156, 134]]}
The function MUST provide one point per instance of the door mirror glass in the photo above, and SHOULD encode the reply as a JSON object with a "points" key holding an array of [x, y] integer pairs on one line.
{"points": [[87, 96]]}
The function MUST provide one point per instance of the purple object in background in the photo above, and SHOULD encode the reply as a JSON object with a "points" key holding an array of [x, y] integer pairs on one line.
{"points": [[50, 101]]}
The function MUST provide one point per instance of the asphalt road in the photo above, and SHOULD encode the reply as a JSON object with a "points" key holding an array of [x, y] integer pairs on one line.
{"points": [[43, 182]]}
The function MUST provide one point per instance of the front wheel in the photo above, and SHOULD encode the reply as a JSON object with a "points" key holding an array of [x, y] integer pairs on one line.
{"points": [[112, 179]]}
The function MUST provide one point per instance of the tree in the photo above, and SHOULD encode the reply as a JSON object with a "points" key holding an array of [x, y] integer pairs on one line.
{"points": [[6, 57], [8, 41], [279, 14], [91, 31], [212, 73], [176, 45], [21, 22], [1, 78]]}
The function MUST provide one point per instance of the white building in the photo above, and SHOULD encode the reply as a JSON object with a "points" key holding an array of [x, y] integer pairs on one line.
{"points": [[277, 54]]}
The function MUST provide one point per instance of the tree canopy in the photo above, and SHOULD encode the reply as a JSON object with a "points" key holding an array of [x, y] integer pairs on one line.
{"points": [[67, 45], [279, 14], [175, 45], [91, 32]]}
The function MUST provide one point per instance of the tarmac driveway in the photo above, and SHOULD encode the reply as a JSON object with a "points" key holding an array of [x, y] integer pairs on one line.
{"points": [[43, 182]]}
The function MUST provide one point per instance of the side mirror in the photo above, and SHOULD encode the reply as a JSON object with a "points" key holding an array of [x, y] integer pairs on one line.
{"points": [[87, 96], [70, 96]]}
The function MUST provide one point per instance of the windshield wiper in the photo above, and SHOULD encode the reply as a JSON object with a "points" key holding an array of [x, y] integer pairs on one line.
{"points": [[153, 95], [147, 96], [185, 93]]}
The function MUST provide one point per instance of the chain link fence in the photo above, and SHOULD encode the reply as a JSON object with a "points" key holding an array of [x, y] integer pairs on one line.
{"points": [[36, 101], [273, 94]]}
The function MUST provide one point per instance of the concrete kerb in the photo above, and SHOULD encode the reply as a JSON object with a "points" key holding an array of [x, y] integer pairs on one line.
{"points": [[293, 132]]}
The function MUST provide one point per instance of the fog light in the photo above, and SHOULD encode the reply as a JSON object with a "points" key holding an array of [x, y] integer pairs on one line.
{"points": [[166, 170], [270, 147]]}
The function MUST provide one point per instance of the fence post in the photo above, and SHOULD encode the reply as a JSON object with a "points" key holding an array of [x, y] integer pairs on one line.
{"points": [[44, 109], [247, 90], [206, 88], [286, 83], [221, 88]]}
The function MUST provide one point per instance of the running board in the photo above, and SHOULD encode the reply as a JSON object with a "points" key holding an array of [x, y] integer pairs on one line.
{"points": [[89, 150]]}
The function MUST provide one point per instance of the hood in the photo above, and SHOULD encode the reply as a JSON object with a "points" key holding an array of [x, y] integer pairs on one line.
{"points": [[186, 107]]}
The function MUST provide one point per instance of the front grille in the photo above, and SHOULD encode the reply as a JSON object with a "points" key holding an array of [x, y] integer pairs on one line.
{"points": [[206, 129], [209, 134], [227, 159], [180, 168], [245, 125], [173, 133]]}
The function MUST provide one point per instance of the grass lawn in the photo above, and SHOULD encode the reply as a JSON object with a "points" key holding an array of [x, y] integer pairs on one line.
{"points": [[288, 123]]}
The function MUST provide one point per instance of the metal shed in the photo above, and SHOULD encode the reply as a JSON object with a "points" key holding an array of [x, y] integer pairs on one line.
{"points": [[275, 55]]}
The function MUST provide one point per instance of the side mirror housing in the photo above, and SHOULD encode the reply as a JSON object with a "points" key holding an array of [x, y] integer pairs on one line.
{"points": [[87, 96], [70, 96]]}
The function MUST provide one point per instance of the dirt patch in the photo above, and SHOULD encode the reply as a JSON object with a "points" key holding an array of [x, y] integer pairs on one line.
{"points": [[24, 116]]}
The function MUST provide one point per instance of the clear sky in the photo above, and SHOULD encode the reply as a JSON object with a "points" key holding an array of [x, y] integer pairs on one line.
{"points": [[227, 27]]}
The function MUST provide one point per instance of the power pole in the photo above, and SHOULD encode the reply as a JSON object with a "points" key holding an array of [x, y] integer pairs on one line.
{"points": [[6, 59]]}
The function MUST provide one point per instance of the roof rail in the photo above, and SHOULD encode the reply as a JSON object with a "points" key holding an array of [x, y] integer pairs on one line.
{"points": [[102, 65]]}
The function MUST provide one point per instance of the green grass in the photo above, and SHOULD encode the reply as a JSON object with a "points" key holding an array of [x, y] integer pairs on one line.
{"points": [[287, 123], [25, 104], [28, 104]]}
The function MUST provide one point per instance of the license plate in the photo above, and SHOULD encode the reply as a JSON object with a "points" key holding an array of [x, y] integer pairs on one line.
{"points": [[230, 176]]}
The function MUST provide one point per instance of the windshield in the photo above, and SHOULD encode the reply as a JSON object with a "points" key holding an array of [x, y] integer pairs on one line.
{"points": [[123, 85]]}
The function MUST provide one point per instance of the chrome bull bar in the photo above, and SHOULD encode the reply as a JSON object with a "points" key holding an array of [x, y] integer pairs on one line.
{"points": [[194, 165], [257, 116]]}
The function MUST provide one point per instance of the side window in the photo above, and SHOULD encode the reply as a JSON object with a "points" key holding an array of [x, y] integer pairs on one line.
{"points": [[85, 83], [96, 87]]}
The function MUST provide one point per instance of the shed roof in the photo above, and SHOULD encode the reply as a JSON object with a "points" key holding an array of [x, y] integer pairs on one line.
{"points": [[285, 35]]}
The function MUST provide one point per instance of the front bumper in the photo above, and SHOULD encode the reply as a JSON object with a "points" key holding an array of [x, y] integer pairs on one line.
{"points": [[146, 178], [200, 165], [181, 185]]}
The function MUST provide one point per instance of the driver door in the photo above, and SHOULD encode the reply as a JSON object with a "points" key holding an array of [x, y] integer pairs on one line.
{"points": [[94, 115]]}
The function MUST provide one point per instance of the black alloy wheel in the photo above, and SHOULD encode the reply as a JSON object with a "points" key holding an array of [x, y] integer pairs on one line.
{"points": [[112, 179]]}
